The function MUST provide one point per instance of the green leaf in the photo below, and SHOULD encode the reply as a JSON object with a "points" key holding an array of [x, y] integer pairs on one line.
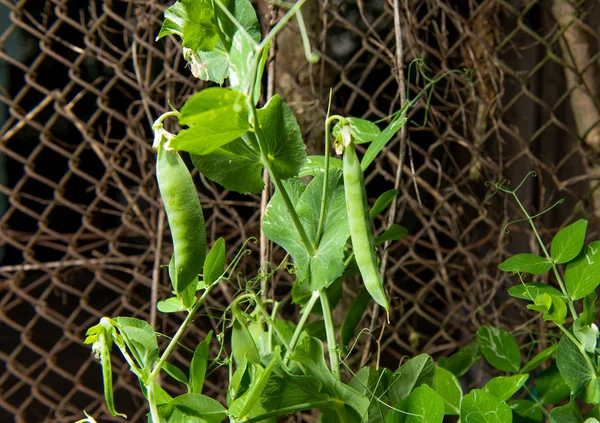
{"points": [[382, 139], [328, 263], [568, 242], [238, 165], [175, 372], [448, 386], [539, 358], [587, 336], [582, 275], [591, 420], [218, 116], [214, 266], [566, 414], [592, 392], [480, 407], [572, 365], [393, 233], [209, 65], [594, 413], [412, 374], [313, 165], [170, 305], [243, 345], [285, 389], [526, 263], [588, 316], [529, 291], [193, 21], [503, 387], [525, 411], [244, 13], [551, 387], [373, 383], [140, 337], [199, 364], [362, 130], [309, 353], [553, 307], [242, 55], [382, 202], [499, 348], [242, 406], [192, 408], [354, 315], [424, 406], [462, 360]]}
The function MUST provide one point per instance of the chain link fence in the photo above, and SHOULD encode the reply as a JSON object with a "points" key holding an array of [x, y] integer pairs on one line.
{"points": [[82, 234]]}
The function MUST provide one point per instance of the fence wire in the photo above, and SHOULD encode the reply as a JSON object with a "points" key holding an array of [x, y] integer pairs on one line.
{"points": [[81, 228]]}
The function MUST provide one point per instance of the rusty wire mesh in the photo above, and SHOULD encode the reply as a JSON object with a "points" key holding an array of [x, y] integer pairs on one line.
{"points": [[82, 233]]}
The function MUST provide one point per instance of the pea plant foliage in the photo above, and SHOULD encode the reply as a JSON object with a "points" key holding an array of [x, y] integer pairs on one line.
{"points": [[279, 367]]}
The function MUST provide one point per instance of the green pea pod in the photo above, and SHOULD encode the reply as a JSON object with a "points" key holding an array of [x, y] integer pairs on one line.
{"points": [[361, 232], [184, 214]]}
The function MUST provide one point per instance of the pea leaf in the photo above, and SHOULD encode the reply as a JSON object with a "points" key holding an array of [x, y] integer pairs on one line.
{"points": [[170, 305], [140, 337], [499, 348], [582, 275], [219, 116], [448, 386], [244, 13], [199, 364], [553, 307], [566, 414], [393, 233], [592, 391], [373, 383], [354, 315], [539, 358], [194, 22], [313, 165], [531, 290], [285, 389], [462, 360], [383, 138], [480, 407], [382, 202], [238, 165], [568, 242], [209, 65], [243, 345], [588, 316], [551, 387], [309, 353], [175, 372], [526, 263], [412, 374], [192, 408], [215, 262], [424, 406], [327, 265], [525, 411], [572, 365], [503, 387]]}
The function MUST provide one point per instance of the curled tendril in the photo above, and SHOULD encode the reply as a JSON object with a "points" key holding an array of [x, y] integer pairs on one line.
{"points": [[528, 218], [497, 188], [532, 173]]}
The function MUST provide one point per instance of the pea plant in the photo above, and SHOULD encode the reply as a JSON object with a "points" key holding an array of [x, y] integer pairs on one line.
{"points": [[279, 367]]}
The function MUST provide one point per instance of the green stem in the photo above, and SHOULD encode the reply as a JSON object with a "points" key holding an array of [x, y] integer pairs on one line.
{"points": [[270, 321], [303, 317], [548, 256], [330, 331], [152, 402], [293, 409], [290, 13], [575, 341], [258, 133]]}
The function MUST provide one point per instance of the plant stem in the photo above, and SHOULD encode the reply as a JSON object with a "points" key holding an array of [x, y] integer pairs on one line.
{"points": [[152, 402], [258, 133], [290, 13], [330, 331], [293, 409], [303, 317], [270, 322], [548, 256]]}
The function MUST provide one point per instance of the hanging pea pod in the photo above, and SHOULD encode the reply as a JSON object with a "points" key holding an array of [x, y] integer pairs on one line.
{"points": [[361, 231], [184, 214]]}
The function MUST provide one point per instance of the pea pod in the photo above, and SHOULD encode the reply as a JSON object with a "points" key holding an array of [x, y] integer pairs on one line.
{"points": [[184, 214], [361, 232]]}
